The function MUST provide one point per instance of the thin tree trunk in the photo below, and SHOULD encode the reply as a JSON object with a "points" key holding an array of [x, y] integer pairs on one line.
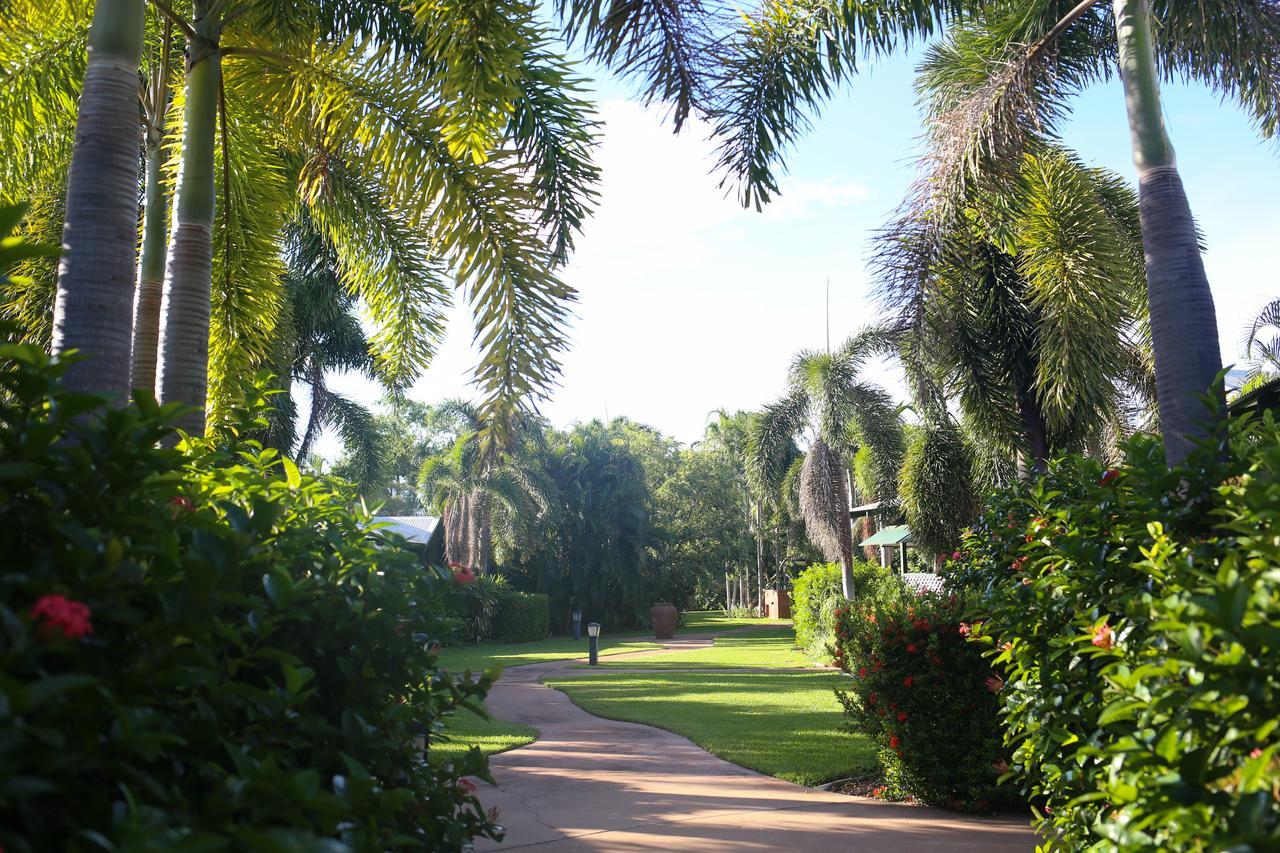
{"points": [[100, 230], [1184, 327], [1033, 456], [319, 405], [759, 558], [455, 531], [155, 226], [482, 532], [182, 376]]}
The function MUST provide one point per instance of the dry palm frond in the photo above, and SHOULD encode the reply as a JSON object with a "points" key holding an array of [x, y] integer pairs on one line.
{"points": [[824, 502]]}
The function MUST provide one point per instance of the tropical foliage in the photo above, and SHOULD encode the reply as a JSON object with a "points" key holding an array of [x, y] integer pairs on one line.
{"points": [[1134, 635], [206, 646]]}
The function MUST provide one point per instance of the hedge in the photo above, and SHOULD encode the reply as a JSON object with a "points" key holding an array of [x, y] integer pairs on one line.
{"points": [[521, 617]]}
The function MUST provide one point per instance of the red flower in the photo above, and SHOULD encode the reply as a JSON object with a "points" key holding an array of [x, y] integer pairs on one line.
{"points": [[464, 576], [1104, 637], [935, 660], [908, 681], [60, 615], [1108, 476], [877, 665], [955, 555], [902, 716], [911, 648], [995, 683], [862, 672], [467, 787], [179, 505], [922, 625], [894, 741], [872, 699], [871, 617], [1018, 564]]}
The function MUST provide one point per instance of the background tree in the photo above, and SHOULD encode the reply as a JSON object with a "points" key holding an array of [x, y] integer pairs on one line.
{"points": [[1028, 308], [827, 398], [1262, 346]]}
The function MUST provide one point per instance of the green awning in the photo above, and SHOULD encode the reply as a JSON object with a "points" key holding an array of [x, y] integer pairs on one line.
{"points": [[899, 534]]}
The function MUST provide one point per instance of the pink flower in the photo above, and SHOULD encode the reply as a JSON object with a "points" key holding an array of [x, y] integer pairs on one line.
{"points": [[1256, 753], [1104, 637], [58, 614], [179, 506], [965, 629], [955, 555], [1108, 476]]}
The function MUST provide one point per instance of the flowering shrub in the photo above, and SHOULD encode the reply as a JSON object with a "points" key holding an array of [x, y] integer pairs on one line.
{"points": [[1133, 612], [923, 693], [205, 649]]}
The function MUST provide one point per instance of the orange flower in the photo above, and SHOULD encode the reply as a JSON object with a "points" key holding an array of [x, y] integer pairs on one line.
{"points": [[1104, 637]]}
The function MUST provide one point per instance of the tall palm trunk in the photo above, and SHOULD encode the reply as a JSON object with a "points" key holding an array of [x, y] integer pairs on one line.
{"points": [[182, 374], [100, 232], [481, 532], [319, 407], [455, 547], [146, 305], [1184, 327]]}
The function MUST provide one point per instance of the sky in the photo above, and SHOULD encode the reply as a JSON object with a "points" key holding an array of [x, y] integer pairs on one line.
{"points": [[689, 303]]}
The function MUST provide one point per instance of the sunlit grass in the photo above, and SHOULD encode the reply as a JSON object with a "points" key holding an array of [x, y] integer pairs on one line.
{"points": [[770, 649], [788, 725], [465, 730], [458, 659]]}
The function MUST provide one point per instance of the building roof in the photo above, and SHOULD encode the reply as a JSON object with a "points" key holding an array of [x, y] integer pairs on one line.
{"points": [[418, 529], [898, 534]]}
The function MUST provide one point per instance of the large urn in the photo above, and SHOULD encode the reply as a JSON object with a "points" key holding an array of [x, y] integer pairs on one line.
{"points": [[664, 617]]}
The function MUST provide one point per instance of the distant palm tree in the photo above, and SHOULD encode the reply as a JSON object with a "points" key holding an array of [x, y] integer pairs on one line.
{"points": [[828, 398], [1262, 345], [475, 492]]}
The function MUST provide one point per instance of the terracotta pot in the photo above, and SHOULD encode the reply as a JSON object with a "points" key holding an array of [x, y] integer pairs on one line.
{"points": [[664, 617]]}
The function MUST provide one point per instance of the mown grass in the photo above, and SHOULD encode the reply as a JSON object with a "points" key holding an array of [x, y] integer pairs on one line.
{"points": [[787, 725], [465, 730], [769, 649]]}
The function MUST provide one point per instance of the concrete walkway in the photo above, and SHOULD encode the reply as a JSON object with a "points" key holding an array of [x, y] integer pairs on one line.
{"points": [[588, 783]]}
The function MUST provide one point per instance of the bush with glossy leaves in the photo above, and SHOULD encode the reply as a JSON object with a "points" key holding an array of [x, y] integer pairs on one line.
{"points": [[1134, 614], [202, 648]]}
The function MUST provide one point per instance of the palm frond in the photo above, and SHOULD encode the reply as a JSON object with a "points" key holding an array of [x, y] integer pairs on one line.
{"points": [[771, 439], [665, 45]]}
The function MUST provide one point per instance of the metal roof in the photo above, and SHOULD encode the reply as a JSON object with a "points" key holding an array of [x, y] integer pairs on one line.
{"points": [[898, 534], [416, 528]]}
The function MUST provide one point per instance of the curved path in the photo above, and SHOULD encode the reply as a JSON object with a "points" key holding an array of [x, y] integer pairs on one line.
{"points": [[588, 783]]}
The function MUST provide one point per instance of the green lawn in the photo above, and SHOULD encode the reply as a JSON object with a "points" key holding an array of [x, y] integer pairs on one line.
{"points": [[706, 621], [485, 655], [770, 649], [476, 658], [787, 725], [466, 730]]}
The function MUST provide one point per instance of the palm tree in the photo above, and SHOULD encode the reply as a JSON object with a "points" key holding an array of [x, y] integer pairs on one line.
{"points": [[1028, 306], [1262, 347], [322, 333], [475, 492], [827, 397], [423, 153], [95, 277], [1017, 64]]}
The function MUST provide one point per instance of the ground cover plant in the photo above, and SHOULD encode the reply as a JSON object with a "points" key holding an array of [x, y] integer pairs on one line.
{"points": [[764, 649], [787, 725], [1133, 614], [203, 648]]}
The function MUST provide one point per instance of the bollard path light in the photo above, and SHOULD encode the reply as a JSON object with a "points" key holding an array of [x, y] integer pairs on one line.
{"points": [[577, 624], [593, 643]]}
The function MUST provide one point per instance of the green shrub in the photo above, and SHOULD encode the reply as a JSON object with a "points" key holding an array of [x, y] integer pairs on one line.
{"points": [[1135, 614], [921, 691], [818, 591], [522, 617], [474, 606], [204, 649]]}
